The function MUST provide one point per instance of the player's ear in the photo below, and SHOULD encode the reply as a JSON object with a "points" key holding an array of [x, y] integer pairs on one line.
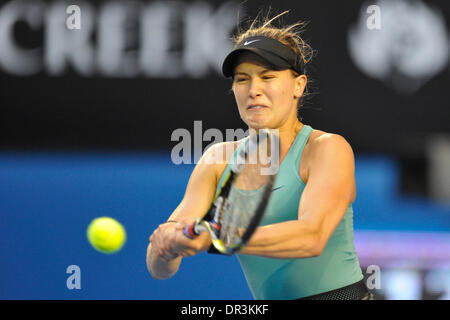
{"points": [[300, 84]]}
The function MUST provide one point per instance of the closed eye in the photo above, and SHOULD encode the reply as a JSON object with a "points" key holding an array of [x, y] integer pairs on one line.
{"points": [[263, 77]]}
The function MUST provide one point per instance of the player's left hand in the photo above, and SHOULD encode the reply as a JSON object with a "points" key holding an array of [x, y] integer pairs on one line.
{"points": [[186, 247]]}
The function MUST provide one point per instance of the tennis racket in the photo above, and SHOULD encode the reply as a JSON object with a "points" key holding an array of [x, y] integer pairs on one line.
{"points": [[242, 200]]}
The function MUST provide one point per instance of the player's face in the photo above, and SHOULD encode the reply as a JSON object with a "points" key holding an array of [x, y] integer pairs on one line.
{"points": [[265, 98]]}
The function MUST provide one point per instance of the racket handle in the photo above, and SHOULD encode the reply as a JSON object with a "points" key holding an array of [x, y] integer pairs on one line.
{"points": [[189, 230]]}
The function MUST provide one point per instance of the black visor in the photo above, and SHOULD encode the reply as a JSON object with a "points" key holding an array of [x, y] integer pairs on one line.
{"points": [[273, 52]]}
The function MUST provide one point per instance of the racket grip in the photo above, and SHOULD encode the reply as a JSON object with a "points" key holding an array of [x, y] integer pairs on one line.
{"points": [[189, 230]]}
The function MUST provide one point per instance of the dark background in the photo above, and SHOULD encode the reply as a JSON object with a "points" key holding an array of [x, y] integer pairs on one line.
{"points": [[76, 112]]}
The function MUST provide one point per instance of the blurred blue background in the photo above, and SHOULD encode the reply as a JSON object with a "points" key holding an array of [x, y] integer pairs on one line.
{"points": [[48, 199]]}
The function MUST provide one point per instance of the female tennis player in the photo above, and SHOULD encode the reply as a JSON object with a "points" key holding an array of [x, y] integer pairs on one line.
{"points": [[303, 248]]}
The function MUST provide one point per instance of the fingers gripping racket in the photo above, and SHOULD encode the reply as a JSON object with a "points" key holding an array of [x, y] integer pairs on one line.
{"points": [[242, 200]]}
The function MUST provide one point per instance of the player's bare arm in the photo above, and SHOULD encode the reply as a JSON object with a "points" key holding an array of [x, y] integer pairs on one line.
{"points": [[167, 243], [329, 189]]}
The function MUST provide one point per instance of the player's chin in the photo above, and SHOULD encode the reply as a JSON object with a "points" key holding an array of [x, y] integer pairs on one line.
{"points": [[258, 122]]}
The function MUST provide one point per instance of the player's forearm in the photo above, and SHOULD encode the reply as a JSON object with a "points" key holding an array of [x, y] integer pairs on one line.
{"points": [[285, 240], [159, 268]]}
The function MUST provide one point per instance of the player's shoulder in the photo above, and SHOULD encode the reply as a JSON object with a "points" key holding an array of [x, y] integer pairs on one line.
{"points": [[217, 156], [221, 151], [324, 149], [321, 143]]}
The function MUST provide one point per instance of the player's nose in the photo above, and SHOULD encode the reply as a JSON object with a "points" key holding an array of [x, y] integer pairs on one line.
{"points": [[255, 89]]}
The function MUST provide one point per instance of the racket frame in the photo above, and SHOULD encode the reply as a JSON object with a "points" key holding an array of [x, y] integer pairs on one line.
{"points": [[210, 222]]}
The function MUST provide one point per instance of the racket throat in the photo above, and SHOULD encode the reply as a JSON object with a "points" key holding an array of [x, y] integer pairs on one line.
{"points": [[212, 227]]}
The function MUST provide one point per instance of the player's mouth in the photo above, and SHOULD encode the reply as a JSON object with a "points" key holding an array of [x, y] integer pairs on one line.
{"points": [[256, 107]]}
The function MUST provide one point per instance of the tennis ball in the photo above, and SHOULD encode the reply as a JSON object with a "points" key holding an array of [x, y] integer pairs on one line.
{"points": [[106, 235]]}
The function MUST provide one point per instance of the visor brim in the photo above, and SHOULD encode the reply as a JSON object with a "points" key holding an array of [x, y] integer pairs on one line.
{"points": [[273, 61]]}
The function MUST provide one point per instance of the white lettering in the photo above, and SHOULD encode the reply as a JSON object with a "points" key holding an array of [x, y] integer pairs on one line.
{"points": [[183, 147], [115, 34], [158, 57], [198, 310], [374, 21], [161, 39], [13, 59], [74, 281], [64, 47], [74, 20], [374, 281]]}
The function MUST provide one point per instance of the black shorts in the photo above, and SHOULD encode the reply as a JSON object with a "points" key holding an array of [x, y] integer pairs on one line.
{"points": [[355, 291]]}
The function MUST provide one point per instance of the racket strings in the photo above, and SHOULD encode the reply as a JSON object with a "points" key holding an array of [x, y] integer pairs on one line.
{"points": [[245, 195], [250, 191], [237, 217]]}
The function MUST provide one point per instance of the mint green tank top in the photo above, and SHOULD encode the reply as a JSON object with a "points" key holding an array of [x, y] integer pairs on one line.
{"points": [[276, 279]]}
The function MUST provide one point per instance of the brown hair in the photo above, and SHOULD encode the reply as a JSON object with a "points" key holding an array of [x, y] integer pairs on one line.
{"points": [[289, 35]]}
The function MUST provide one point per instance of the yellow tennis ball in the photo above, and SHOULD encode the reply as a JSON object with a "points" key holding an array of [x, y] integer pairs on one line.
{"points": [[106, 235]]}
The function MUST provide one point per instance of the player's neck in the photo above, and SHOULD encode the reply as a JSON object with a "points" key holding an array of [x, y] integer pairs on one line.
{"points": [[287, 134]]}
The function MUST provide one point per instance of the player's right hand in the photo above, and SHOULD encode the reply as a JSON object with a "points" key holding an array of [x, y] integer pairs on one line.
{"points": [[163, 240]]}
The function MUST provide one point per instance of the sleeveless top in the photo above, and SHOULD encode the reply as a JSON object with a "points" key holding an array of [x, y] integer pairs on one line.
{"points": [[336, 267]]}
